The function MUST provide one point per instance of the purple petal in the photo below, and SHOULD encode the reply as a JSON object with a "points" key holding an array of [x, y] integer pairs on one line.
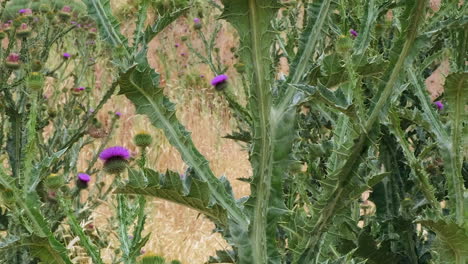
{"points": [[114, 152], [84, 177], [219, 79]]}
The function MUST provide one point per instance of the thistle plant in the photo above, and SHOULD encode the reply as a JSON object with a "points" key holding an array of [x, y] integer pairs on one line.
{"points": [[49, 113], [351, 115]]}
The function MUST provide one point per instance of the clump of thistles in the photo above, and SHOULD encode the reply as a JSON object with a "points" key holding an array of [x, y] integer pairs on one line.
{"points": [[219, 82], [142, 139], [82, 180], [115, 159]]}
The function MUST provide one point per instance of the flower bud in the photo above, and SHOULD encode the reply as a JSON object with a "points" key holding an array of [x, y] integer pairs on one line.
{"points": [[13, 61], [54, 181], [23, 31], [142, 139], [240, 67], [35, 81], [344, 44], [8, 196], [65, 13]]}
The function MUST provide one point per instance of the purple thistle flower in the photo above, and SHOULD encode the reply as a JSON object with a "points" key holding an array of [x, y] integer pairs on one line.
{"points": [[353, 32], [176, 45], [13, 57], [66, 9], [202, 76], [83, 177], [73, 22], [116, 152], [81, 88], [196, 20], [439, 105], [219, 80], [22, 11], [25, 11], [66, 55], [183, 54], [91, 110], [118, 114]]}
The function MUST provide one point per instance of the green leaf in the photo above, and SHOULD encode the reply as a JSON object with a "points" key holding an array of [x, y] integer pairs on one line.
{"points": [[452, 239], [85, 241], [450, 146], [108, 25], [456, 89], [271, 137], [187, 191], [162, 22], [140, 85]]}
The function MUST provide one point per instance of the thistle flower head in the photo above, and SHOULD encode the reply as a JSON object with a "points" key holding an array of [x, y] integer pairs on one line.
{"points": [[66, 55], [196, 20], [439, 105], [66, 9], [115, 159], [83, 177], [13, 57], [116, 152], [82, 180], [25, 11], [353, 32], [219, 79]]}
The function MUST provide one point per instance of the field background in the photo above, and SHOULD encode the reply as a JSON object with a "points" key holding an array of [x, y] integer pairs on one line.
{"points": [[178, 232]]}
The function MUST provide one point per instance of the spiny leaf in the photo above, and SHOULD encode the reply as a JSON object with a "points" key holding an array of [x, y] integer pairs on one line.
{"points": [[162, 22], [188, 191], [252, 20], [109, 26], [452, 239], [85, 241], [317, 12]]}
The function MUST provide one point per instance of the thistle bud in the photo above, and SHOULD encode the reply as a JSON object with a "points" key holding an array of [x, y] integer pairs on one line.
{"points": [[25, 12], [142, 139], [240, 67], [54, 181], [197, 23], [65, 13], [13, 61], [23, 31], [344, 44], [149, 258], [35, 81], [77, 91], [36, 65], [8, 196]]}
